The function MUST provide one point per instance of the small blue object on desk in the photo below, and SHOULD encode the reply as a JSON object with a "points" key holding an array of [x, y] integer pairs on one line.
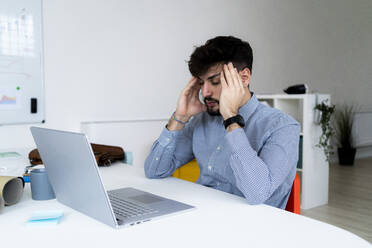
{"points": [[52, 217], [128, 158], [26, 179]]}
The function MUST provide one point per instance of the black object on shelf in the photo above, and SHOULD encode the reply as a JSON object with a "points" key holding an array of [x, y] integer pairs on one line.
{"points": [[296, 89], [300, 149]]}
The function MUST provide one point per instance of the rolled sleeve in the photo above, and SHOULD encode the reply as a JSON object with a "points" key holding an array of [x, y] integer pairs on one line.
{"points": [[259, 173]]}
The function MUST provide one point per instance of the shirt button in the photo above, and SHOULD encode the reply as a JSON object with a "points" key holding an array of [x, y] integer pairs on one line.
{"points": [[209, 167], [168, 139], [156, 158], [218, 148]]}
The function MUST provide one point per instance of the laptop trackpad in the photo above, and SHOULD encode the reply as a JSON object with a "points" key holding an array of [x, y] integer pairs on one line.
{"points": [[146, 199]]}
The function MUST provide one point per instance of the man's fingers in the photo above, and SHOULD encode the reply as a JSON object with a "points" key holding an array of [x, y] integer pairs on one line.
{"points": [[234, 75], [195, 90], [193, 81], [223, 81], [228, 77]]}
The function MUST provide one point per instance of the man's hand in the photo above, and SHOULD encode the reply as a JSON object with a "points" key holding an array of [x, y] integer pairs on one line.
{"points": [[188, 104], [233, 92]]}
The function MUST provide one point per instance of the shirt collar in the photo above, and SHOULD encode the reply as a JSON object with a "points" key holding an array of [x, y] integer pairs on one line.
{"points": [[249, 107]]}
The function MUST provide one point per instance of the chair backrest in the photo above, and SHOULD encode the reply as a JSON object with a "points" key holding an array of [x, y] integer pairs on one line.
{"points": [[294, 201]]}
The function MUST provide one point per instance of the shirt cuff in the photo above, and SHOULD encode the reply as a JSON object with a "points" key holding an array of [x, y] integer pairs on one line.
{"points": [[167, 137]]}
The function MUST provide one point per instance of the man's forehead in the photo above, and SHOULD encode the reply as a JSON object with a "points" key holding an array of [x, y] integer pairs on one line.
{"points": [[213, 71]]}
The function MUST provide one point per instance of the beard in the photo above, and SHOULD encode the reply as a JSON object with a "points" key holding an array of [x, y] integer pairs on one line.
{"points": [[210, 111]]}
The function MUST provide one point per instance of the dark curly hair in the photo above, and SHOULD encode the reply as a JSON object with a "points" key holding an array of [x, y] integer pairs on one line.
{"points": [[221, 49]]}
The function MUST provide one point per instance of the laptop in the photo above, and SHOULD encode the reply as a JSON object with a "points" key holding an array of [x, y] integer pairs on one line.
{"points": [[74, 175]]}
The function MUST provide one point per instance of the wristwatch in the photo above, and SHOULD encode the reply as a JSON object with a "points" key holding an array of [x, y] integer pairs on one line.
{"points": [[235, 119]]}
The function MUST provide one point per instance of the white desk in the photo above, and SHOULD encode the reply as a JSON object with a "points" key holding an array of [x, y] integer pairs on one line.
{"points": [[220, 220]]}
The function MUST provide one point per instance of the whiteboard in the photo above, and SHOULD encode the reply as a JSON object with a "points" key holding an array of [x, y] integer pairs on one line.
{"points": [[21, 62]]}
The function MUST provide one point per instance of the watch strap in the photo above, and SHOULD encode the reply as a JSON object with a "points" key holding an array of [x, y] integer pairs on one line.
{"points": [[235, 119]]}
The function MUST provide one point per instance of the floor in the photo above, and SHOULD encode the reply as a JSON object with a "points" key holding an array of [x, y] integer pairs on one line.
{"points": [[350, 199]]}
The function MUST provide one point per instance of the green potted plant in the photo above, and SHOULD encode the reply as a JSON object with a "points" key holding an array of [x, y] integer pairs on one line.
{"points": [[344, 120], [323, 114]]}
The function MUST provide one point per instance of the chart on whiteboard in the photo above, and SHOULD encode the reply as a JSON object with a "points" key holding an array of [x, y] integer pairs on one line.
{"points": [[10, 97], [21, 61]]}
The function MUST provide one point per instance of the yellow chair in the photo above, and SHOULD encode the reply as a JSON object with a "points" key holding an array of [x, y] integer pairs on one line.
{"points": [[189, 172]]}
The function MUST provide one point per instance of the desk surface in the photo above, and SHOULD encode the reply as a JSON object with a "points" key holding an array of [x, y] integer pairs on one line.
{"points": [[219, 220]]}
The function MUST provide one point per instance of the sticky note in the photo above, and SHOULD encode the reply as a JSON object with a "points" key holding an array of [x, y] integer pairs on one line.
{"points": [[128, 158], [51, 217]]}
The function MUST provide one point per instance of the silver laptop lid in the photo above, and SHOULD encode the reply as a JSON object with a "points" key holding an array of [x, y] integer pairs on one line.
{"points": [[73, 172]]}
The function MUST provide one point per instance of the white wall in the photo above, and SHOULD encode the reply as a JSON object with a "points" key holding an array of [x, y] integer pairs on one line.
{"points": [[114, 60]]}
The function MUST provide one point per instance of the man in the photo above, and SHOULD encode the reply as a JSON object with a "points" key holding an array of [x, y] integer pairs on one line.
{"points": [[241, 146]]}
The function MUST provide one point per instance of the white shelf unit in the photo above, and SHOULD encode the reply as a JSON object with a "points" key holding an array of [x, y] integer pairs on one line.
{"points": [[315, 169]]}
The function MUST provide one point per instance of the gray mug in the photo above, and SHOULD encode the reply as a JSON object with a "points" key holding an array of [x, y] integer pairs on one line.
{"points": [[40, 185]]}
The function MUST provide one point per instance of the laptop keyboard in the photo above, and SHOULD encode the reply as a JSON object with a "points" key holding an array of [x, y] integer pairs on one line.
{"points": [[128, 209]]}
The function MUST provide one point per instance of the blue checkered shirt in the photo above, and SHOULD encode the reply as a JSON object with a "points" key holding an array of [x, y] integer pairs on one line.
{"points": [[257, 162]]}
